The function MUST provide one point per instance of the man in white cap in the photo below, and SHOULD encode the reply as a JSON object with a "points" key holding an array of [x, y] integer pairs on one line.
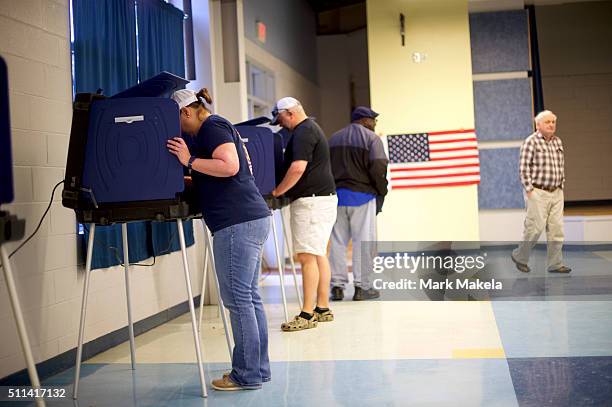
{"points": [[309, 184]]}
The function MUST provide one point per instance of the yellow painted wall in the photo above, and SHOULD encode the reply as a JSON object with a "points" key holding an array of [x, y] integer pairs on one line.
{"points": [[433, 95]]}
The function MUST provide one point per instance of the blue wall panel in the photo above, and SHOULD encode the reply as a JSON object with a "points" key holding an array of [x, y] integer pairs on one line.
{"points": [[503, 109], [499, 41], [500, 187]]}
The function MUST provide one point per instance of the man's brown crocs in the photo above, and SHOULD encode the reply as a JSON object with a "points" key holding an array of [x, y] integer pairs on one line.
{"points": [[325, 316], [298, 324]]}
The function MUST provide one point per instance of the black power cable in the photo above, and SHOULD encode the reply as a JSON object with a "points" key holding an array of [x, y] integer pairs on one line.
{"points": [[39, 223]]}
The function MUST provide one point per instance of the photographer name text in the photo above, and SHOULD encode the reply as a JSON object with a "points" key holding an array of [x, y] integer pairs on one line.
{"points": [[431, 284]]}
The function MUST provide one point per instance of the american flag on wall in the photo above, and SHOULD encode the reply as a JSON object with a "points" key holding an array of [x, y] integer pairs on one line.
{"points": [[437, 159]]}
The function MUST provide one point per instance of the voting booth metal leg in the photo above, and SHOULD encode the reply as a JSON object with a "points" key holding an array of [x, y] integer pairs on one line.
{"points": [[228, 337], [21, 328], [203, 290], [77, 365], [126, 268], [290, 253], [281, 267], [196, 334]]}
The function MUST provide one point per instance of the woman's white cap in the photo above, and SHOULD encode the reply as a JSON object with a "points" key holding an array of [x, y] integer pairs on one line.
{"points": [[184, 97]]}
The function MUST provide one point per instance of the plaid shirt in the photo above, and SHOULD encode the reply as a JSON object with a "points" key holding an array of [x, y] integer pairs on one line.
{"points": [[542, 162]]}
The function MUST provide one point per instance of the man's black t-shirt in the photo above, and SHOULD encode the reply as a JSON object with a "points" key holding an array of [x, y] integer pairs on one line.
{"points": [[308, 143]]}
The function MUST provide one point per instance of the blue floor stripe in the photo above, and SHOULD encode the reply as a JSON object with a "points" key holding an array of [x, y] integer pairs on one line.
{"points": [[562, 382], [554, 328]]}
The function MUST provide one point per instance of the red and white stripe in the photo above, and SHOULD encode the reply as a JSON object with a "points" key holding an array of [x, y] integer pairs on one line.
{"points": [[453, 162]]}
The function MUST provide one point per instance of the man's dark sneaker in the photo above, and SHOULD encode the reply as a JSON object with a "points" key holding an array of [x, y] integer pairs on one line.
{"points": [[362, 295], [337, 294]]}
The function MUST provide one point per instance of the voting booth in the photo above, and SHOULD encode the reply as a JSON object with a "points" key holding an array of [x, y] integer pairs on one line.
{"points": [[119, 170], [259, 142]]}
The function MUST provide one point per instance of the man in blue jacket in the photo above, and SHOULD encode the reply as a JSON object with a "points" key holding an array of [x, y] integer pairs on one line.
{"points": [[359, 165]]}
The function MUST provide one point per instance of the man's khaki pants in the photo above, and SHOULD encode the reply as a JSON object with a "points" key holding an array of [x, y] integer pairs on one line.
{"points": [[544, 211]]}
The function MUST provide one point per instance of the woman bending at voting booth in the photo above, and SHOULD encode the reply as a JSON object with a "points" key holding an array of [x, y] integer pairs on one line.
{"points": [[238, 218]]}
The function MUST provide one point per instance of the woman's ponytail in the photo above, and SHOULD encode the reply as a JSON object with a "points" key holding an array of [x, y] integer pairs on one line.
{"points": [[203, 94]]}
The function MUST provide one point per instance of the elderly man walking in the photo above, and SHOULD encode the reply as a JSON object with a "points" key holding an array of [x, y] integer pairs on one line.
{"points": [[542, 175]]}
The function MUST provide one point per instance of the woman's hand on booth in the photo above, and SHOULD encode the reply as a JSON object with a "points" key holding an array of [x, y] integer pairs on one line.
{"points": [[178, 147]]}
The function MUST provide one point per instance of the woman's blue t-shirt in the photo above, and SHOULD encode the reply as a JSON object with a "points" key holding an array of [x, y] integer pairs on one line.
{"points": [[225, 201]]}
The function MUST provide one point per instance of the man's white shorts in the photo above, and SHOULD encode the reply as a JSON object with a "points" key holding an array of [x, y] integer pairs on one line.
{"points": [[312, 220]]}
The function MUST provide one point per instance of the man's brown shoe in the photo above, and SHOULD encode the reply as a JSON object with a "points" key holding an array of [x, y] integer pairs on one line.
{"points": [[520, 266], [562, 270], [225, 384]]}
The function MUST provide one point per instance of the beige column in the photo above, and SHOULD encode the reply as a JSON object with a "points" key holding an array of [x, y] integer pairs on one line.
{"points": [[425, 85]]}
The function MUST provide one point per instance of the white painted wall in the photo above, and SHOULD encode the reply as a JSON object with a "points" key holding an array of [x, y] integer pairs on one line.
{"points": [[34, 40], [205, 71], [501, 225], [288, 81], [229, 98]]}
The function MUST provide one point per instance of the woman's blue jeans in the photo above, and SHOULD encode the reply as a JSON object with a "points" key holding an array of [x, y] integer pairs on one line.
{"points": [[238, 252]]}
